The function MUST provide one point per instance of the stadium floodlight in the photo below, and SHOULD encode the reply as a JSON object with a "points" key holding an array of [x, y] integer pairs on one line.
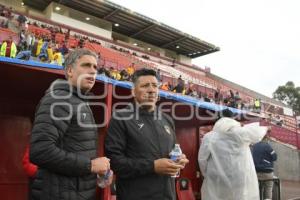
{"points": [[57, 8], [87, 18], [116, 24]]}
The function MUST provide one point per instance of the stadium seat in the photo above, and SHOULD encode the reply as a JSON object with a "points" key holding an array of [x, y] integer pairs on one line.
{"points": [[184, 189], [5, 33], [39, 31]]}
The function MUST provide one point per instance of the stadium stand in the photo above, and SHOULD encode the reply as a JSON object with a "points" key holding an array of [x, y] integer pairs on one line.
{"points": [[118, 56]]}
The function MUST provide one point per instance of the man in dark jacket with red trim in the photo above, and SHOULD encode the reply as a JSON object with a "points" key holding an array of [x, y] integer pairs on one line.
{"points": [[64, 136], [140, 138]]}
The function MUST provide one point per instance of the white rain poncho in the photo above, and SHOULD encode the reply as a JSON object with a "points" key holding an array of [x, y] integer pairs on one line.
{"points": [[226, 162]]}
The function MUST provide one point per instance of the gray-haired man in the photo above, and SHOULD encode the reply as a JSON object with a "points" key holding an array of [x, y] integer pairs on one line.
{"points": [[64, 135]]}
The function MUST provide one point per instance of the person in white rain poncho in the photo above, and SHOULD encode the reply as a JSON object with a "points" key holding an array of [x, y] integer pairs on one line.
{"points": [[226, 162]]}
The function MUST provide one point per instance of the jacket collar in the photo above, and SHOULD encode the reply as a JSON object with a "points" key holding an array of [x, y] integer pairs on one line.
{"points": [[62, 84], [136, 108]]}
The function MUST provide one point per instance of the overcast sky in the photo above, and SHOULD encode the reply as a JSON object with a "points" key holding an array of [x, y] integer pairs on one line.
{"points": [[259, 39]]}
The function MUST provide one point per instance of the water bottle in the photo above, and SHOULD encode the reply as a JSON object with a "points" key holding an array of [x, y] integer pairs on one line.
{"points": [[102, 180], [175, 155]]}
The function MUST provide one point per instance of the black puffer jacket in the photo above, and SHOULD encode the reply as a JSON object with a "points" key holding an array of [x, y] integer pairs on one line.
{"points": [[63, 142], [135, 139]]}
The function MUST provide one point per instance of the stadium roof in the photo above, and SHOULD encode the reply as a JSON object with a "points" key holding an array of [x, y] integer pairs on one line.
{"points": [[136, 26]]}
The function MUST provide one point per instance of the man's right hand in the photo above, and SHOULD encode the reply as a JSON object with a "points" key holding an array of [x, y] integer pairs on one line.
{"points": [[100, 165], [166, 166]]}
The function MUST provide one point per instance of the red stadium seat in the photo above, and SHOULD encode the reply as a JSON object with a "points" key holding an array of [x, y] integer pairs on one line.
{"points": [[39, 31], [59, 37], [184, 189], [5, 33]]}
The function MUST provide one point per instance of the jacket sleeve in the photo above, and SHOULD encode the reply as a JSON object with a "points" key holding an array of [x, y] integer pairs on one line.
{"points": [[204, 154], [52, 120], [115, 149], [272, 153], [29, 168], [250, 133]]}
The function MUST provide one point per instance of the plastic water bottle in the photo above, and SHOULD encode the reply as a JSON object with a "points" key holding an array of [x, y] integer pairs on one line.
{"points": [[102, 180], [175, 155]]}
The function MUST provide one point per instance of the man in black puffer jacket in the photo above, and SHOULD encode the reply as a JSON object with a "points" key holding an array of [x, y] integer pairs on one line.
{"points": [[139, 140], [64, 136]]}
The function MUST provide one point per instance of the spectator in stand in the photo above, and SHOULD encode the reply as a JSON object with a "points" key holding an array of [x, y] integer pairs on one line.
{"points": [[43, 56], [103, 71], [67, 36], [29, 40], [200, 95], [180, 85], [114, 74], [264, 157], [231, 94], [8, 48], [243, 105], [22, 20], [64, 49], [39, 46], [81, 42], [22, 42], [124, 75], [237, 96], [13, 24], [257, 105], [195, 93], [206, 98], [24, 55], [211, 97], [189, 89], [58, 58], [217, 95], [278, 121], [50, 51], [165, 86], [131, 69], [158, 76]]}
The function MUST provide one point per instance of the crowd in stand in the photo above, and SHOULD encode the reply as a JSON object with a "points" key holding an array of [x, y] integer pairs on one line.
{"points": [[45, 48], [122, 50]]}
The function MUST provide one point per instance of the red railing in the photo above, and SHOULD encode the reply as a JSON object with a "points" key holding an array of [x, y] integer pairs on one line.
{"points": [[284, 135]]}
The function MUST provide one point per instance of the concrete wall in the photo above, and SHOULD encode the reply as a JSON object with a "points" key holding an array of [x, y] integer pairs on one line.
{"points": [[185, 59], [80, 25], [287, 166]]}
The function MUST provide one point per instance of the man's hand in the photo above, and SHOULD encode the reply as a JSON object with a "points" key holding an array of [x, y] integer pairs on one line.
{"points": [[100, 165], [166, 167], [183, 160]]}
